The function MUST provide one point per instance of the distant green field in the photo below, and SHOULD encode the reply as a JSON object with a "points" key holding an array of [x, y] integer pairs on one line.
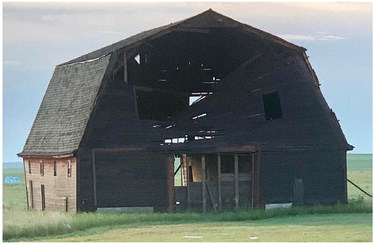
{"points": [[16, 219], [360, 172]]}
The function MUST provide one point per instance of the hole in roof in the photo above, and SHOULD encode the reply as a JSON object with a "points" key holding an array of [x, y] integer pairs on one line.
{"points": [[137, 58], [199, 116]]}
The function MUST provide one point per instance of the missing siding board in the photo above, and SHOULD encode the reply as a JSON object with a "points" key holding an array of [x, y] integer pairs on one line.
{"points": [[272, 106], [158, 106], [199, 116], [176, 140]]}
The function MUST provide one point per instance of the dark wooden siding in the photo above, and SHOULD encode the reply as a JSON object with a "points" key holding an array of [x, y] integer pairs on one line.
{"points": [[322, 172]]}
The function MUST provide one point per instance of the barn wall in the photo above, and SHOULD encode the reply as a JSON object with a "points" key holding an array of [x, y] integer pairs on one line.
{"points": [[322, 173], [57, 188], [127, 179]]}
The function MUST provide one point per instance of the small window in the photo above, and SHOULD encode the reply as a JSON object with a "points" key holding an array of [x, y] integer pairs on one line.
{"points": [[54, 168], [29, 167], [69, 168], [42, 167], [272, 106]]}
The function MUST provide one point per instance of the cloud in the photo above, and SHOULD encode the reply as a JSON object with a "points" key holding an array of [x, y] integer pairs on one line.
{"points": [[110, 32], [11, 63], [319, 36]]}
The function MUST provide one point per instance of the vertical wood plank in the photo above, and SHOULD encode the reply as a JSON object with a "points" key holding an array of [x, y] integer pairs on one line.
{"points": [[203, 182], [187, 163], [219, 182], [236, 170], [170, 165], [94, 178]]}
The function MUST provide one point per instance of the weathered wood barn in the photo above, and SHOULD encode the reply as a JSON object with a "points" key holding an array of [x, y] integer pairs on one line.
{"points": [[235, 111]]}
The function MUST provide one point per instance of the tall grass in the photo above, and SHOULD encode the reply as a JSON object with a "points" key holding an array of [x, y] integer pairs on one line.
{"points": [[42, 224]]}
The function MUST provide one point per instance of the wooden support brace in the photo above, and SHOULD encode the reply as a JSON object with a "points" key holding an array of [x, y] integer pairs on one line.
{"points": [[203, 182], [236, 170]]}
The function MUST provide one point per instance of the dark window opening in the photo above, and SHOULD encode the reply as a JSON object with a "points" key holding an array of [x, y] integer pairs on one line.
{"points": [[42, 188], [272, 106], [54, 168], [69, 168], [42, 167], [159, 106], [29, 167], [227, 164]]}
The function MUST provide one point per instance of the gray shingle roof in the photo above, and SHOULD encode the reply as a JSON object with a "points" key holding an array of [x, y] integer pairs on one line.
{"points": [[66, 107]]}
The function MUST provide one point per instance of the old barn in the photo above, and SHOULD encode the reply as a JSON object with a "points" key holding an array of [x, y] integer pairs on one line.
{"points": [[207, 113]]}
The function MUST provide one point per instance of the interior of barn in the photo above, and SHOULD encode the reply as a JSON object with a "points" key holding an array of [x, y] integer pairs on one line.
{"points": [[214, 181]]}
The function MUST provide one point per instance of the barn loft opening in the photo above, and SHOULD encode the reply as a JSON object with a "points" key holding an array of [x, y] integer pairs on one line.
{"points": [[272, 106], [182, 68]]}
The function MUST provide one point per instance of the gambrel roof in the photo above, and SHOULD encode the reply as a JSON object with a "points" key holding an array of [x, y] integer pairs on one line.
{"points": [[73, 90]]}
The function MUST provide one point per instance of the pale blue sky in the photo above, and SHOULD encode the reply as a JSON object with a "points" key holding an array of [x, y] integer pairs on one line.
{"points": [[37, 37]]}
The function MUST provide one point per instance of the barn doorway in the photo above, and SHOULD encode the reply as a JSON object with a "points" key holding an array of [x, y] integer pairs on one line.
{"points": [[214, 182]]}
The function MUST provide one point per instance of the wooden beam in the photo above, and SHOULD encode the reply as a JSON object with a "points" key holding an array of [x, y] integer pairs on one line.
{"points": [[236, 170], [203, 182], [219, 182], [125, 69], [94, 178], [253, 181]]}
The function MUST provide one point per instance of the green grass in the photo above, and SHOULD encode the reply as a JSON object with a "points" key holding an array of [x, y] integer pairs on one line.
{"points": [[22, 225], [360, 172], [300, 228]]}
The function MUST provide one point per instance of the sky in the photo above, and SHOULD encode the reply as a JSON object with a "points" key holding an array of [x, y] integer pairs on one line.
{"points": [[39, 36]]}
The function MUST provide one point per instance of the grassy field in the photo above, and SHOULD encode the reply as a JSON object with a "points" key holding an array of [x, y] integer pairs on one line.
{"points": [[325, 224], [359, 168], [300, 228]]}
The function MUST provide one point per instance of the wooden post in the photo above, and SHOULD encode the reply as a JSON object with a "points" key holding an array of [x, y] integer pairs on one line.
{"points": [[236, 168], [256, 190], [94, 178], [219, 182], [187, 163], [203, 182], [253, 181], [125, 69]]}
